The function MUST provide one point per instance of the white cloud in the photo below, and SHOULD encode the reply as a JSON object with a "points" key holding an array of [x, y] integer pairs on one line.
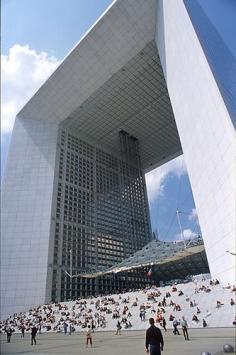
{"points": [[155, 179], [187, 233], [23, 71], [193, 215]]}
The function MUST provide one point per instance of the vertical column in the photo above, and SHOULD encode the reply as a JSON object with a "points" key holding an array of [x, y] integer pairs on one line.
{"points": [[26, 214], [206, 132]]}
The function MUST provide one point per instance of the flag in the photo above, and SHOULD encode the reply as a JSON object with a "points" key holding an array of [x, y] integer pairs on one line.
{"points": [[149, 273]]}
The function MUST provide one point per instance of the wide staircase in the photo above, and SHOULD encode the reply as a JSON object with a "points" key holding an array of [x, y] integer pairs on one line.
{"points": [[205, 301]]}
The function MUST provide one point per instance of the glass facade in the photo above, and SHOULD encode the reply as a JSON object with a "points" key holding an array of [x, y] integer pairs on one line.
{"points": [[101, 214], [220, 54]]}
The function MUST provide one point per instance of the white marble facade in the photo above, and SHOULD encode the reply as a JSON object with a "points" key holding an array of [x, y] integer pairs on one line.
{"points": [[205, 129], [206, 132], [26, 215]]}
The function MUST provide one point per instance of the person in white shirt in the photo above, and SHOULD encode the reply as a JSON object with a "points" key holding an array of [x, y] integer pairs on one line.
{"points": [[184, 325]]}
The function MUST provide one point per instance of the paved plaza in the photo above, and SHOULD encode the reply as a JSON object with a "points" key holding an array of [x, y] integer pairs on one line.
{"points": [[128, 343]]}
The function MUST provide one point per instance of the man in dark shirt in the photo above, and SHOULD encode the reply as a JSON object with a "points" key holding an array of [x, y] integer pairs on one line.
{"points": [[33, 335], [9, 333], [154, 339]]}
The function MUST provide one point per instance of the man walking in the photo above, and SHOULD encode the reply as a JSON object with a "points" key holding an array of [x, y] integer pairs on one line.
{"points": [[65, 326], [118, 328], [184, 325], [9, 333], [154, 339], [33, 335], [70, 329], [89, 337], [22, 331], [175, 325], [163, 323]]}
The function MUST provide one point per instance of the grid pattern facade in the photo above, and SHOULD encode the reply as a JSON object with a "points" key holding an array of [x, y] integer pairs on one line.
{"points": [[136, 99], [101, 215]]}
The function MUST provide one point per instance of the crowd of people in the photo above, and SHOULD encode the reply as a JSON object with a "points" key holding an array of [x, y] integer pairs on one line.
{"points": [[118, 312]]}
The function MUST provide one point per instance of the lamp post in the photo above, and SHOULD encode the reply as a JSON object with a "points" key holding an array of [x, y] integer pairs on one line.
{"points": [[180, 227], [71, 272], [71, 267]]}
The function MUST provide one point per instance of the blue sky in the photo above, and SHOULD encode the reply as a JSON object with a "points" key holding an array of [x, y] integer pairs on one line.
{"points": [[222, 15], [36, 36]]}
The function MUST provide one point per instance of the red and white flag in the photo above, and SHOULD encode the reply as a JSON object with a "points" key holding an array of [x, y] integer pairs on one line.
{"points": [[149, 273]]}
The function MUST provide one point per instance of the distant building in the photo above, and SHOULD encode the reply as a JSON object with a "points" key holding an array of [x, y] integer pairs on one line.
{"points": [[100, 213], [142, 87]]}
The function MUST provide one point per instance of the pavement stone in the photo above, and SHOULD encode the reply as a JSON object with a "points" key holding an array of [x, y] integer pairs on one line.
{"points": [[128, 343]]}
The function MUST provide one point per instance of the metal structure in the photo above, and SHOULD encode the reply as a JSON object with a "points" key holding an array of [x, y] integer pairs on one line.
{"points": [[168, 260]]}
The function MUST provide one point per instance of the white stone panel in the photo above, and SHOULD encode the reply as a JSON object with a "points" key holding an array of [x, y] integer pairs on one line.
{"points": [[206, 133], [117, 37], [26, 214]]}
